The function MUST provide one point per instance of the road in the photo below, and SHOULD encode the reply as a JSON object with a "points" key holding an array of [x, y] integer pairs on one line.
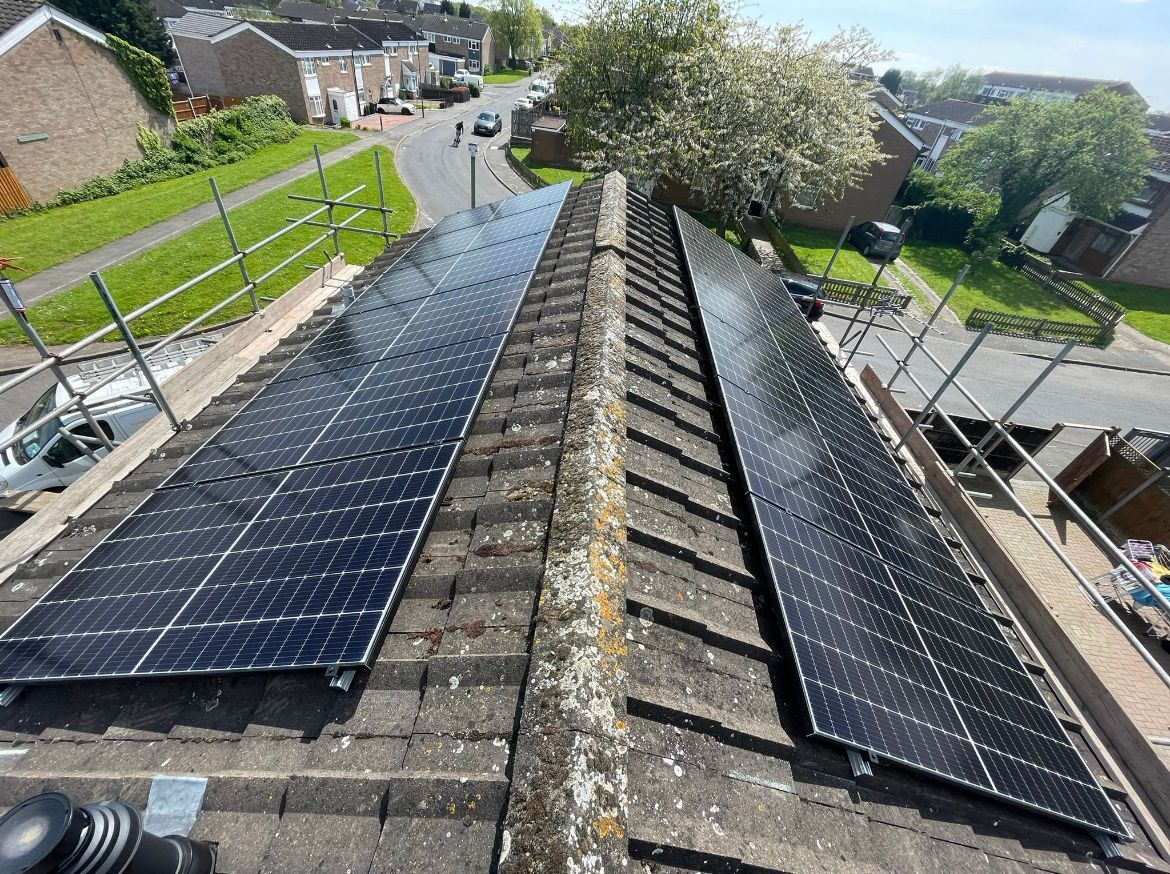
{"points": [[439, 175], [1071, 394]]}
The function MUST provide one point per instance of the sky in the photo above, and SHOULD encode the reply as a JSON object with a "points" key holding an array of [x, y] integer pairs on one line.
{"points": [[1097, 39]]}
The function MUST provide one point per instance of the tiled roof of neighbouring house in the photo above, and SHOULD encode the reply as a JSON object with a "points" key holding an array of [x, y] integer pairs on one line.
{"points": [[449, 25], [383, 30], [307, 37], [957, 111], [1161, 162], [12, 12], [198, 24], [1056, 84]]}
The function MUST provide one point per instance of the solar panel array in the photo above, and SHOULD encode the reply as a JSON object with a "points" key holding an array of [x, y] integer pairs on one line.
{"points": [[896, 653], [283, 541]]}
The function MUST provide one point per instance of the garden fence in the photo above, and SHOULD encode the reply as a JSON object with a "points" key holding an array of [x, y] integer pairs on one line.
{"points": [[1014, 325], [1081, 298]]}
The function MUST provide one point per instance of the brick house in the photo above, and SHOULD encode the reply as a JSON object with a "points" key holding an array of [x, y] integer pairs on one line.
{"points": [[324, 72], [68, 112], [942, 123], [456, 42], [871, 200], [1133, 246]]}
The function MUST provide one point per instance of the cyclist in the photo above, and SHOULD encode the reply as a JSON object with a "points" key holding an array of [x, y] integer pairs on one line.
{"points": [[458, 132]]}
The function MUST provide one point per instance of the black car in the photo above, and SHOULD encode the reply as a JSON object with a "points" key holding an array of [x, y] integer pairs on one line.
{"points": [[806, 295], [878, 238]]}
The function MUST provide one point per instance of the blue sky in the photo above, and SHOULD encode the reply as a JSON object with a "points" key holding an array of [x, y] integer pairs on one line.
{"points": [[1100, 39]]}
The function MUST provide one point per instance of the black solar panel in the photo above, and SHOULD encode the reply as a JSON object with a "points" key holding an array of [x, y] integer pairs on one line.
{"points": [[283, 541], [896, 654]]}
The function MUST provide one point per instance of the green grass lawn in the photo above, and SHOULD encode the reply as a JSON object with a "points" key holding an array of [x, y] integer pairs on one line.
{"points": [[990, 285], [1148, 307], [44, 239], [507, 77], [815, 247], [551, 175], [75, 313]]}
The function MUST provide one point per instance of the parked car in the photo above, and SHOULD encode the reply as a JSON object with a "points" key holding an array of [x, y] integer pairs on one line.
{"points": [[463, 77], [488, 122], [541, 86], [806, 294], [878, 238], [523, 103], [535, 97], [394, 106]]}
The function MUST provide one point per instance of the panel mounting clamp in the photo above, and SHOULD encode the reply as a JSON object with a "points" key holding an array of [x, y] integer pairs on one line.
{"points": [[341, 679], [859, 764]]}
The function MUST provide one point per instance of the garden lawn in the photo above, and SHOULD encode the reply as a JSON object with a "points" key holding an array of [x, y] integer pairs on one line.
{"points": [[990, 285], [507, 77], [1148, 307], [815, 247], [551, 175], [43, 239], [75, 313]]}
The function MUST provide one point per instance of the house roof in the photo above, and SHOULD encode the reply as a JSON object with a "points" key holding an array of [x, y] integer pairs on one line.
{"points": [[1056, 84], [954, 111], [169, 9], [1161, 161], [383, 30], [313, 11], [310, 37], [449, 25], [427, 763], [1158, 121], [199, 24], [12, 12]]}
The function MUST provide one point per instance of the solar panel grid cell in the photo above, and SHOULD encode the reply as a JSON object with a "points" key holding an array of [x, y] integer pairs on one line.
{"points": [[282, 542], [895, 651]]}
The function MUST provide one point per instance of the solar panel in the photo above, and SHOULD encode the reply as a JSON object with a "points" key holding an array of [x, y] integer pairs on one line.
{"points": [[283, 541], [896, 654]]}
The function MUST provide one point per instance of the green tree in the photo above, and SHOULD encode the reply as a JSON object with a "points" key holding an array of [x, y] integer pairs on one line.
{"points": [[1092, 147], [465, 9], [891, 80], [132, 20], [446, 8], [516, 23], [956, 82]]}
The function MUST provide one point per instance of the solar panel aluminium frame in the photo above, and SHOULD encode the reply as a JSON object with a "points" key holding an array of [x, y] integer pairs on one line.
{"points": [[760, 528], [416, 547]]}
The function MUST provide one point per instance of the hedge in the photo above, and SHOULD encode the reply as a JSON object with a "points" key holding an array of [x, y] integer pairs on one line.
{"points": [[146, 72], [221, 137]]}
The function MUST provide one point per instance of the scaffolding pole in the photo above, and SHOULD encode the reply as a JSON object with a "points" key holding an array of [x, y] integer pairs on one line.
{"points": [[904, 362]]}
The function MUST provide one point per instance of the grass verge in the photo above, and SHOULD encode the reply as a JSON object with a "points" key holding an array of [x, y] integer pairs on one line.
{"points": [[989, 285], [507, 77], [44, 239], [551, 175], [1148, 308], [815, 247], [77, 312]]}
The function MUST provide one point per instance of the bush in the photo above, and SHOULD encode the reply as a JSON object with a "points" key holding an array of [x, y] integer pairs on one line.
{"points": [[474, 89], [445, 82], [944, 213], [344, 123], [1014, 255], [221, 137]]}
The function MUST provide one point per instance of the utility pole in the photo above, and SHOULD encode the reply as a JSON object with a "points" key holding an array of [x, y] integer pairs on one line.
{"points": [[473, 148]]}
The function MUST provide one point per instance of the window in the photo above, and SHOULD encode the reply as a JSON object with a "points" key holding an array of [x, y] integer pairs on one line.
{"points": [[316, 105], [65, 450], [309, 67], [473, 65], [343, 65], [1149, 194], [473, 45], [1105, 243], [322, 62]]}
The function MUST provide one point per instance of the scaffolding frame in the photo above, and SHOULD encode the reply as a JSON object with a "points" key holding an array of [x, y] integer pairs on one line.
{"points": [[1000, 433], [140, 358]]}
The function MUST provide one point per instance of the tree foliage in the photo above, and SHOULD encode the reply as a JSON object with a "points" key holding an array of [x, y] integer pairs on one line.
{"points": [[684, 90], [517, 24], [956, 81], [446, 8], [134, 21], [465, 9], [1093, 148], [891, 80]]}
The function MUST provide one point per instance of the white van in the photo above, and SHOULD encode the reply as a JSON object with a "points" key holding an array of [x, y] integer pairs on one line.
{"points": [[48, 459]]}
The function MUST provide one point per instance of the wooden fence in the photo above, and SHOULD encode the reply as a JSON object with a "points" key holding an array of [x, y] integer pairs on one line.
{"points": [[12, 193], [193, 107], [862, 293], [1043, 329], [1081, 298]]}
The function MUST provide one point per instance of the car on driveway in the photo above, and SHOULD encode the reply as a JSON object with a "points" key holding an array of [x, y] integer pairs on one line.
{"points": [[523, 103], [488, 122], [878, 238], [395, 106], [806, 294]]}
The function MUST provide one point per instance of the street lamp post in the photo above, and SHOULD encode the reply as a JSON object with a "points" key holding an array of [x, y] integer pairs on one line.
{"points": [[473, 148]]}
